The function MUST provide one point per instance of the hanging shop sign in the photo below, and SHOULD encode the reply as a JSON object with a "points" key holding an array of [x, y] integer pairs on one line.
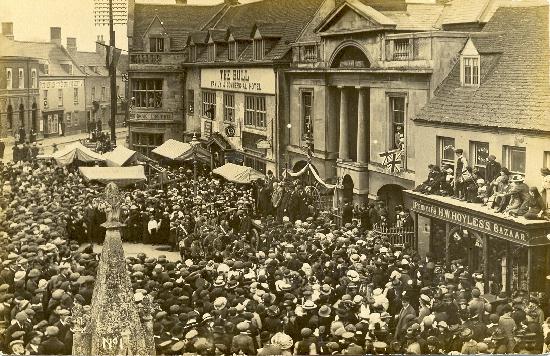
{"points": [[207, 130], [230, 131], [263, 144], [468, 220], [247, 80]]}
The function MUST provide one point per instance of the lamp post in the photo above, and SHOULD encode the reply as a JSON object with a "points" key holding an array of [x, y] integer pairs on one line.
{"points": [[194, 142], [287, 163]]}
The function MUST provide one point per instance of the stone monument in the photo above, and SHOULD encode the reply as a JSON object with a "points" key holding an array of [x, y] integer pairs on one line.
{"points": [[114, 325]]}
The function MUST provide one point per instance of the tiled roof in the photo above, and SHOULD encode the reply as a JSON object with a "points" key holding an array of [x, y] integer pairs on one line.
{"points": [[417, 17], [178, 20], [239, 33], [97, 60], [217, 35], [514, 91], [54, 54], [464, 11]]}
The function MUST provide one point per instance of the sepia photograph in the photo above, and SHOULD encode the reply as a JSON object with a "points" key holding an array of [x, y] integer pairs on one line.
{"points": [[274, 177]]}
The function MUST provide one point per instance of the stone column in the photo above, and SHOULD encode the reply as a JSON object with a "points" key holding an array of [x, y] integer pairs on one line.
{"points": [[343, 153], [362, 138]]}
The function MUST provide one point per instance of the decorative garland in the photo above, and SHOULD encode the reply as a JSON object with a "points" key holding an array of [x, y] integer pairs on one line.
{"points": [[304, 170]]}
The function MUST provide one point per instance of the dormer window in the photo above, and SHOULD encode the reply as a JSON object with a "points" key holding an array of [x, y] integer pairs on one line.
{"points": [[232, 51], [156, 44], [68, 68], [259, 49], [211, 55], [470, 71]]}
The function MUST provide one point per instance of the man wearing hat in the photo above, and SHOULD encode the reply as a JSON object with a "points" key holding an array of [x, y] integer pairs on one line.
{"points": [[51, 345], [21, 323], [243, 342], [406, 312]]}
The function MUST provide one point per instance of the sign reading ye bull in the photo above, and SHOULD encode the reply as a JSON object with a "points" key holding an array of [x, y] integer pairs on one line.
{"points": [[467, 220], [249, 80]]}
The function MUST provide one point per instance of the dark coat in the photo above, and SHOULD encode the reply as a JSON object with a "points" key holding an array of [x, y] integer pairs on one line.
{"points": [[52, 346], [244, 343], [492, 171]]}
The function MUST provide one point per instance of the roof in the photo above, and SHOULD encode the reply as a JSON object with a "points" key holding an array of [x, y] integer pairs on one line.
{"points": [[87, 60], [46, 51], [514, 91], [119, 156], [178, 20], [76, 151], [464, 11], [238, 174], [121, 176], [417, 17]]}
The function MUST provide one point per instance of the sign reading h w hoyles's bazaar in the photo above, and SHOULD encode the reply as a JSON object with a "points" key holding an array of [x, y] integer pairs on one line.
{"points": [[248, 80], [468, 220]]}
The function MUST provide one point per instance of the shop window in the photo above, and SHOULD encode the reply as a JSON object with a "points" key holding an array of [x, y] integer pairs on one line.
{"points": [[45, 94], [21, 79], [60, 97], [255, 111], [10, 116], [307, 118], [34, 80], [211, 53], [209, 104], [156, 44], [9, 79], [479, 153], [232, 51], [401, 49], [397, 120], [75, 96], [446, 153], [190, 101], [259, 49], [470, 71], [147, 93], [514, 159], [228, 107], [146, 142]]}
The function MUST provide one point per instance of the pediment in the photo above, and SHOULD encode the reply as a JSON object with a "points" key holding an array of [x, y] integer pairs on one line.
{"points": [[354, 16], [156, 28], [470, 49]]}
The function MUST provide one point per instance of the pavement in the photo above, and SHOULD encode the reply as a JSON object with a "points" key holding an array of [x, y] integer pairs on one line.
{"points": [[61, 141], [132, 249]]}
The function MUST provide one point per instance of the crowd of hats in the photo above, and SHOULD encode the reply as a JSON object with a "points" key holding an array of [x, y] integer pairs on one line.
{"points": [[310, 287]]}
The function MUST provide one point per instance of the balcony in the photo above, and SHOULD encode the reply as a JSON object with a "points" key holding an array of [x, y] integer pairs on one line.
{"points": [[155, 61], [151, 116]]}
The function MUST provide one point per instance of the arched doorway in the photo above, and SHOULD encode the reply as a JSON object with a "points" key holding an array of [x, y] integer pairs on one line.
{"points": [[350, 56], [392, 195], [347, 191]]}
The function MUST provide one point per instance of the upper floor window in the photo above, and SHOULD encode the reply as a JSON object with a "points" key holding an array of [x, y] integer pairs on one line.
{"points": [[103, 91], [45, 68], [470, 71], [307, 120], [67, 68], [397, 121], [209, 104], [401, 49], [211, 54], [514, 159], [228, 107], [21, 78], [232, 51], [156, 44], [34, 79], [9, 79], [479, 152], [258, 49], [309, 53], [147, 93], [254, 111], [446, 150]]}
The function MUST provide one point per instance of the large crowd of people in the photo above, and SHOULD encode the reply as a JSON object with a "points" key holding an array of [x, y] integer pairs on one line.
{"points": [[304, 285]]}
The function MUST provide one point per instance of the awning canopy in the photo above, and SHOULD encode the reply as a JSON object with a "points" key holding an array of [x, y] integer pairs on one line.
{"points": [[76, 151], [119, 156], [238, 174], [182, 151], [121, 176]]}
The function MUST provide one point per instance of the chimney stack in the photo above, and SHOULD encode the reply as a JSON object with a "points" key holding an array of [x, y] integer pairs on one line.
{"points": [[71, 45], [99, 45], [181, 2], [55, 35], [7, 30]]}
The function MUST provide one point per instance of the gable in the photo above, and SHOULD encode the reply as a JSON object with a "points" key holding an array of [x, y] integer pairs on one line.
{"points": [[470, 49], [355, 16], [349, 20], [156, 28]]}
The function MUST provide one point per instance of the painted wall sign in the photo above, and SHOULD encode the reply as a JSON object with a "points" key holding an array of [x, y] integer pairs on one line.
{"points": [[60, 84], [468, 220], [248, 80], [263, 144], [207, 130]]}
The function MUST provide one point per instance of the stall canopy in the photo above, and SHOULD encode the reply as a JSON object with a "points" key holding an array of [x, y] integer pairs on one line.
{"points": [[76, 151], [182, 151], [122, 156], [238, 174], [121, 176]]}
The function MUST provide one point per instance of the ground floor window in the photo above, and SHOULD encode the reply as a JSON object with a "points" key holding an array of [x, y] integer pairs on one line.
{"points": [[51, 123], [256, 163], [146, 142]]}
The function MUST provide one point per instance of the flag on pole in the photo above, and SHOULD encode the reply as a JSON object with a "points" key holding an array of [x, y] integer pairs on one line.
{"points": [[112, 56], [392, 160]]}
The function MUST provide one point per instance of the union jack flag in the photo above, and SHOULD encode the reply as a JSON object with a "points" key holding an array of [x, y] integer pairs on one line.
{"points": [[392, 160]]}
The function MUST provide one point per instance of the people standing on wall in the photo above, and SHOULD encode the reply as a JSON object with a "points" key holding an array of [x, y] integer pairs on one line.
{"points": [[492, 170], [461, 165]]}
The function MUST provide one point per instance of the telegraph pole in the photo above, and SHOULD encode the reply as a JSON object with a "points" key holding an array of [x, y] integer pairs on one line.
{"points": [[112, 75]]}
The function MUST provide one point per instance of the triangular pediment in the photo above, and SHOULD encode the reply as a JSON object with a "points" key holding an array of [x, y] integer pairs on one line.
{"points": [[354, 16], [470, 49], [156, 28]]}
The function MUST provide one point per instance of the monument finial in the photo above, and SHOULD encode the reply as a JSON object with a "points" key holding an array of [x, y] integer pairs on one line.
{"points": [[113, 199]]}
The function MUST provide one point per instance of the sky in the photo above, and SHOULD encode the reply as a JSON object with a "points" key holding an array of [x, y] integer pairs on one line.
{"points": [[32, 20]]}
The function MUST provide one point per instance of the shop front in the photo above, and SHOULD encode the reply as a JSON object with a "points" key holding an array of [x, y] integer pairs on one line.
{"points": [[52, 122], [511, 254]]}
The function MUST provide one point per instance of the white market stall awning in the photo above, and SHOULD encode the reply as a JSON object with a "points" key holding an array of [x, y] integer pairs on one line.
{"points": [[76, 151], [238, 174], [121, 176], [181, 151], [119, 156]]}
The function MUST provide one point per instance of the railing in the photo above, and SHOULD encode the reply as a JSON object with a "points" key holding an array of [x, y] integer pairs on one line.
{"points": [[397, 235], [156, 58], [151, 116]]}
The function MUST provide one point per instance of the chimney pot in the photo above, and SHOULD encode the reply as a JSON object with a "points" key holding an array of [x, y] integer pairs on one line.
{"points": [[55, 35], [7, 30]]}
